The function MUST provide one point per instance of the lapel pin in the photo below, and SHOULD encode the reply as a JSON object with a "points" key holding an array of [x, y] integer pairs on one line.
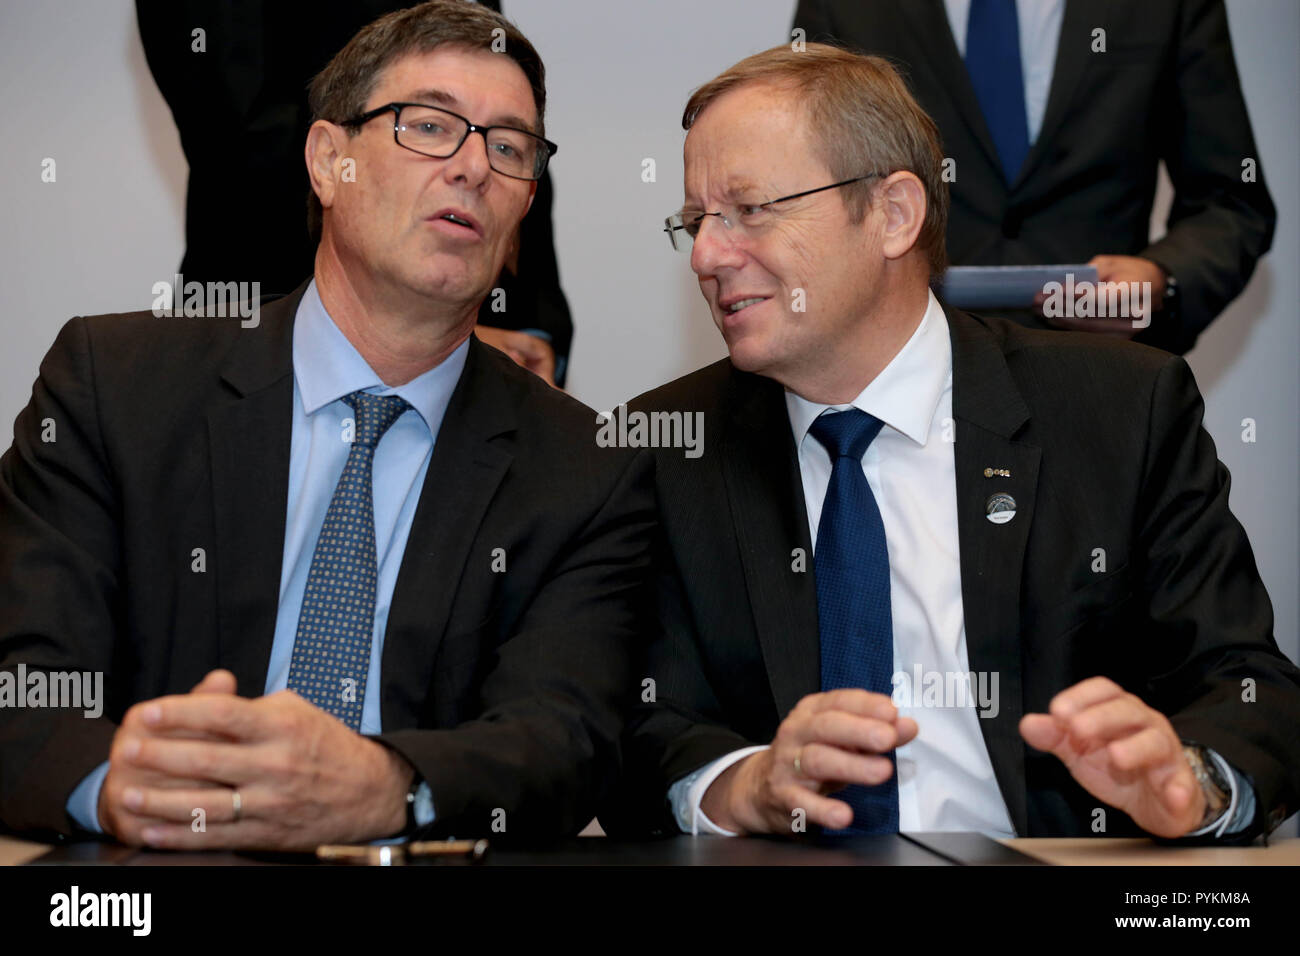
{"points": [[1000, 508], [1000, 472]]}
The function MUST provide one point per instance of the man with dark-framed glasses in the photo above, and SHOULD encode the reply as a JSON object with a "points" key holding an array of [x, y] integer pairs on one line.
{"points": [[933, 571], [331, 566]]}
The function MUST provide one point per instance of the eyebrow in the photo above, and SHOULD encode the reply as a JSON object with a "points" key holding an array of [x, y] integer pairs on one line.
{"points": [[443, 98], [734, 190], [739, 189]]}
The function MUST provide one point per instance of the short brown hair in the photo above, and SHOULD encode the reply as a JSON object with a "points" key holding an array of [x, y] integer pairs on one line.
{"points": [[865, 121], [339, 92]]}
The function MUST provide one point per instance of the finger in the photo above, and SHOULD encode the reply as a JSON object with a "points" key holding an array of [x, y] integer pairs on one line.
{"points": [[824, 763], [1105, 266], [1084, 694], [1152, 747], [850, 732], [1044, 732], [221, 714], [824, 811], [179, 806], [864, 703], [244, 835], [530, 346], [196, 759], [1111, 720], [1178, 793], [907, 730], [216, 682]]}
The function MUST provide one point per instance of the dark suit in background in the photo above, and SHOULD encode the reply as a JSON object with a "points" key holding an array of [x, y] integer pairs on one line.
{"points": [[241, 110], [1166, 88], [1105, 448], [502, 689]]}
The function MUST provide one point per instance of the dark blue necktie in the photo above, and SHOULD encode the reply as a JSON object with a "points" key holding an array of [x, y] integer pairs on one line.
{"points": [[331, 650], [851, 565], [993, 61]]}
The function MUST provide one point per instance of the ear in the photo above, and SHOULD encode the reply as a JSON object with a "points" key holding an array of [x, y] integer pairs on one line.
{"points": [[532, 194], [901, 197], [326, 146]]}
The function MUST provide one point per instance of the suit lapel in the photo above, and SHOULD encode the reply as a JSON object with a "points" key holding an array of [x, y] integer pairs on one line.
{"points": [[935, 49], [989, 411], [761, 470], [249, 442], [470, 458]]}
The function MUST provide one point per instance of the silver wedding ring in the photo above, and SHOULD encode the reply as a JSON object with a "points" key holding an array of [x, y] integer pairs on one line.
{"points": [[797, 769], [237, 803]]}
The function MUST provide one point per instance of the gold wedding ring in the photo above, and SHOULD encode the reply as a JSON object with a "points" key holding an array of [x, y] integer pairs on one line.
{"points": [[797, 769]]}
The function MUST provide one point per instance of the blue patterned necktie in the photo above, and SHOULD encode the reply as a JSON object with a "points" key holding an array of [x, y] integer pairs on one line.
{"points": [[331, 650], [851, 566], [993, 62]]}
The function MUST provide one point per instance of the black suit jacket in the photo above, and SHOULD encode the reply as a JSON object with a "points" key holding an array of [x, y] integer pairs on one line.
{"points": [[503, 689], [1104, 444], [1166, 88]]}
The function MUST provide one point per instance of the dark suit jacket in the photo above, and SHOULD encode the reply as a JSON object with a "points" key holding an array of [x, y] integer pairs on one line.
{"points": [[503, 689], [241, 111], [1105, 447], [1166, 88]]}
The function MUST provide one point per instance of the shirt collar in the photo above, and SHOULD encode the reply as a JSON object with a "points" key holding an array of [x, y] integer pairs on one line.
{"points": [[905, 395], [327, 366]]}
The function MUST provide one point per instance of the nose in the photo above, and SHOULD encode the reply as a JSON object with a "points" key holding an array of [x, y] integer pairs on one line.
{"points": [[469, 164], [715, 247]]}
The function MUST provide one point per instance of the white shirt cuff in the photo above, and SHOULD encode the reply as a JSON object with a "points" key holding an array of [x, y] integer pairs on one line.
{"points": [[687, 794]]}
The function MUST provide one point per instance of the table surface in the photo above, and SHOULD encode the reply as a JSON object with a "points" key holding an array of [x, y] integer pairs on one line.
{"points": [[910, 850]]}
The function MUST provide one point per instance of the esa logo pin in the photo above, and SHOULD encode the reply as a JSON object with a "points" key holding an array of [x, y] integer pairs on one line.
{"points": [[1000, 508]]}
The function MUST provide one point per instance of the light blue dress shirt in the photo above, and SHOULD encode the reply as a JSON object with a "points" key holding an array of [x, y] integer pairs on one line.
{"points": [[325, 368]]}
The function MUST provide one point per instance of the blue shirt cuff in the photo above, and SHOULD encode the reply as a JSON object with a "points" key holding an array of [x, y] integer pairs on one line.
{"points": [[83, 805]]}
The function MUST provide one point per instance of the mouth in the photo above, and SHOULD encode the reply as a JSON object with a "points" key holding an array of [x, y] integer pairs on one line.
{"points": [[733, 306], [457, 222]]}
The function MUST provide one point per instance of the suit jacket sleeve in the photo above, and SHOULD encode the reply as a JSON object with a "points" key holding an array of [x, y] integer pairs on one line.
{"points": [[1215, 668], [60, 569], [1219, 225], [676, 729], [544, 747]]}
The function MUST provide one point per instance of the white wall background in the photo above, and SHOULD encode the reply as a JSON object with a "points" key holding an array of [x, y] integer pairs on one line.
{"points": [[76, 89]]}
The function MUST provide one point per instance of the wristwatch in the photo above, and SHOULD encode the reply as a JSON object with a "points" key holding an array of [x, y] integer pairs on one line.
{"points": [[1217, 790]]}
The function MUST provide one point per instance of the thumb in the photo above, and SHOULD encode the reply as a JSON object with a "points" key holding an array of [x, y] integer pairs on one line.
{"points": [[216, 682], [1042, 732]]}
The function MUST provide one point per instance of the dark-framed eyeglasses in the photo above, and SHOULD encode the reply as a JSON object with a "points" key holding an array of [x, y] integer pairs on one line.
{"points": [[747, 219], [438, 133]]}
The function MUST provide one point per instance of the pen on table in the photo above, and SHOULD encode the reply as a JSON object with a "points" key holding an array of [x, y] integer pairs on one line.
{"points": [[396, 855]]}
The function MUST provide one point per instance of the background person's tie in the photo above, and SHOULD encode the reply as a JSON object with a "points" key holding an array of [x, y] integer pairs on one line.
{"points": [[851, 566], [337, 620], [993, 62]]}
